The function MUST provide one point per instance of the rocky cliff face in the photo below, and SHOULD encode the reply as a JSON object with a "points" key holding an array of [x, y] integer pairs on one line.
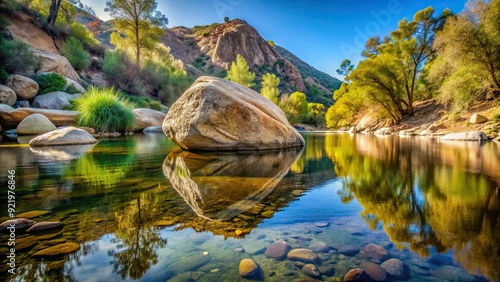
{"points": [[210, 50]]}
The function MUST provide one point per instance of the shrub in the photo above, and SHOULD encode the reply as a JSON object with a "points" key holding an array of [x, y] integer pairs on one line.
{"points": [[155, 105], [51, 82], [16, 56], [76, 55], [3, 75], [82, 34], [165, 81], [104, 110]]}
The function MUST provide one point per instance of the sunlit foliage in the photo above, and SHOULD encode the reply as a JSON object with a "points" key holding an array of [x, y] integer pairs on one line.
{"points": [[468, 47], [270, 89], [240, 72]]}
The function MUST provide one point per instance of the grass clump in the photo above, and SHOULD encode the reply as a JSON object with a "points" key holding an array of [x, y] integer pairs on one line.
{"points": [[51, 82], [105, 110]]}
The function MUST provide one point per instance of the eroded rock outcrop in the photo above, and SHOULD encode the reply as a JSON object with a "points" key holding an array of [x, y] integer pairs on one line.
{"points": [[216, 114], [56, 63]]}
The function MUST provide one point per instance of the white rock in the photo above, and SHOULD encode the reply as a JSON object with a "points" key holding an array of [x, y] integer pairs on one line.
{"points": [[35, 124]]}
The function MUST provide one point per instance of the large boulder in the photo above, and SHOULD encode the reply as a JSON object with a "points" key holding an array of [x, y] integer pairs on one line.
{"points": [[54, 100], [477, 118], [64, 136], [35, 124], [11, 118], [56, 63], [147, 117], [216, 114], [7, 95], [25, 87], [465, 136]]}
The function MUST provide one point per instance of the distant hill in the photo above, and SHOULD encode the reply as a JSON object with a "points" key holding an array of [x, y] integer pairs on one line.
{"points": [[210, 50], [331, 83]]}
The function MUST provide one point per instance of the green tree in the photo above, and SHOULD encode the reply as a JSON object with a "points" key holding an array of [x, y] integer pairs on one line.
{"points": [[226, 19], [270, 89], [295, 107], [345, 67], [139, 22], [389, 74], [240, 72], [468, 48]]}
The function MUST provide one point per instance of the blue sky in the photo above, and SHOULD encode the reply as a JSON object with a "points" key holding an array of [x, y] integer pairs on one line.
{"points": [[322, 33]]}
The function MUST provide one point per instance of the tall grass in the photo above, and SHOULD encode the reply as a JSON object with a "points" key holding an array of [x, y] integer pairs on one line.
{"points": [[104, 110]]}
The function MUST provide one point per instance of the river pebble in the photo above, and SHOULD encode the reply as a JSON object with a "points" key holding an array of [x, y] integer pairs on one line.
{"points": [[303, 255]]}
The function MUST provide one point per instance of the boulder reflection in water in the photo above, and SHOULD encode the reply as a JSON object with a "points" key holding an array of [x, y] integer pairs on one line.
{"points": [[219, 186]]}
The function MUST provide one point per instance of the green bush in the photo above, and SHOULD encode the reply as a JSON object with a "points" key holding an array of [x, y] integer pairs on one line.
{"points": [[51, 82], [82, 34], [165, 81], [76, 55], [143, 102], [155, 105], [3, 75], [16, 56], [104, 110]]}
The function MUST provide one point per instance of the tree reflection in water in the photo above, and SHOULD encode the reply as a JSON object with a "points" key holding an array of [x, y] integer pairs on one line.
{"points": [[138, 241], [425, 194]]}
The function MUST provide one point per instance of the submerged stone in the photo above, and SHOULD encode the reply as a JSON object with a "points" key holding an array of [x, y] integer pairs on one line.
{"points": [[395, 268], [58, 250], [303, 255], [373, 270], [374, 251], [356, 274], [277, 250], [248, 268], [311, 270], [44, 225], [18, 223], [32, 214]]}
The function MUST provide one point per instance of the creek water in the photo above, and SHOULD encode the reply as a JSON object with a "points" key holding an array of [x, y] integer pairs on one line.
{"points": [[142, 209]]}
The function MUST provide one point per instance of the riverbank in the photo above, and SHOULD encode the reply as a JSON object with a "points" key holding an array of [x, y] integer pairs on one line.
{"points": [[433, 119]]}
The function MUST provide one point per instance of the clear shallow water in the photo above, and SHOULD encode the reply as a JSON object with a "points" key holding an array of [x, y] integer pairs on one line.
{"points": [[143, 210]]}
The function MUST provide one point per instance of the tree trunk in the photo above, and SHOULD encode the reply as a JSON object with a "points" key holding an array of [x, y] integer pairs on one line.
{"points": [[53, 11], [137, 44]]}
